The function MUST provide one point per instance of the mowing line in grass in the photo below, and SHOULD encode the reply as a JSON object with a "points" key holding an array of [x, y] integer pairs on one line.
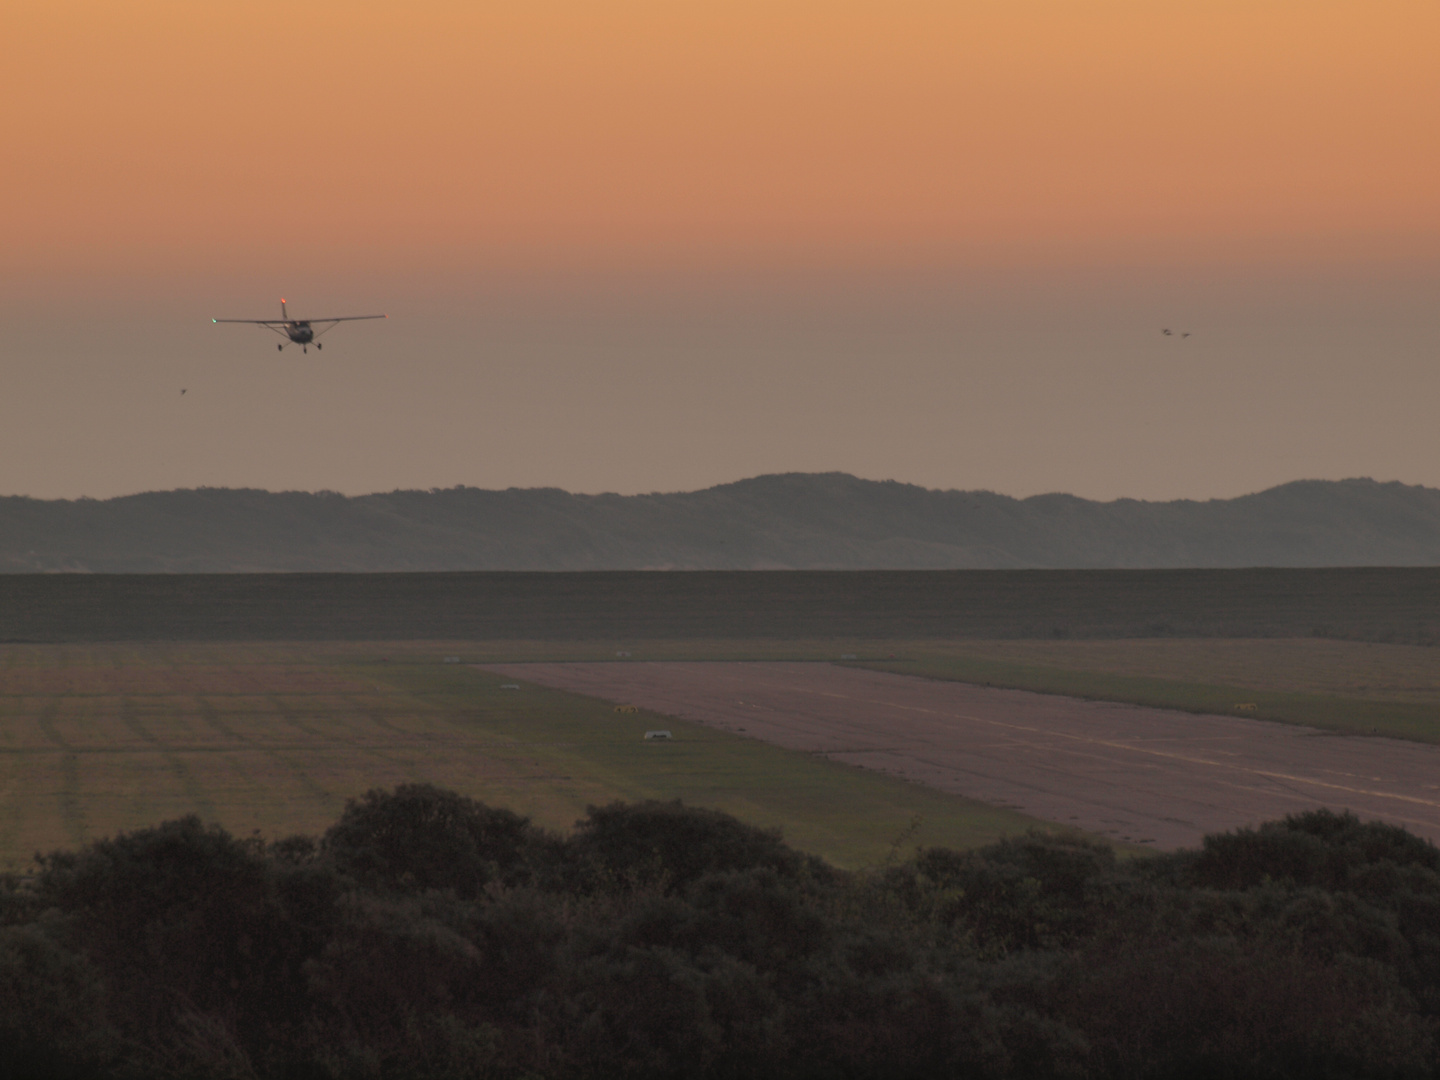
{"points": [[69, 798], [175, 762], [45, 721], [12, 823], [66, 793], [211, 717], [285, 757]]}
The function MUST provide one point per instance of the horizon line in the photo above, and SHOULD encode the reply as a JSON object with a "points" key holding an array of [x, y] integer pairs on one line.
{"points": [[330, 493]]}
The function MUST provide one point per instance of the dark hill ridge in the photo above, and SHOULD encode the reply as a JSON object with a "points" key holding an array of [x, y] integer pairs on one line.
{"points": [[795, 521]]}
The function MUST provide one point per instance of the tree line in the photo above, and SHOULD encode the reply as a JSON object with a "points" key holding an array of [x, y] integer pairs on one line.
{"points": [[429, 935]]}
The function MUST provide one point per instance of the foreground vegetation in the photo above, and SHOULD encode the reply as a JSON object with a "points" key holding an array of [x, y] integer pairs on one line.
{"points": [[427, 935]]}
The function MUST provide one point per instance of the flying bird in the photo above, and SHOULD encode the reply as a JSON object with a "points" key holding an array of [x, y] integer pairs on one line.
{"points": [[1167, 333], [182, 391]]}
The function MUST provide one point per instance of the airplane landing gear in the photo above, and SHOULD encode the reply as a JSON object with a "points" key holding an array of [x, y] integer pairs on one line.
{"points": [[318, 345], [279, 347]]}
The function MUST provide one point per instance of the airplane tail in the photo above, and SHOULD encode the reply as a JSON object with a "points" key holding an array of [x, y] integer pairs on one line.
{"points": [[282, 310]]}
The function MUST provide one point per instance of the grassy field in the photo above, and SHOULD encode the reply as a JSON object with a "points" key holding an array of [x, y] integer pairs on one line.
{"points": [[1359, 688], [275, 738], [1355, 688], [1375, 672]]}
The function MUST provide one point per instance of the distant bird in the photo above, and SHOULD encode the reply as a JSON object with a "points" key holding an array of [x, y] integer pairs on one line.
{"points": [[1167, 333], [1185, 334], [182, 391]]}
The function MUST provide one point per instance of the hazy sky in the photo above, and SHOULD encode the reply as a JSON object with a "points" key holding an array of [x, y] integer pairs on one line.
{"points": [[638, 246]]}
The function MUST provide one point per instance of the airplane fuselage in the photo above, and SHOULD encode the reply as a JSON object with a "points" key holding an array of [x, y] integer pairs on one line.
{"points": [[300, 332]]}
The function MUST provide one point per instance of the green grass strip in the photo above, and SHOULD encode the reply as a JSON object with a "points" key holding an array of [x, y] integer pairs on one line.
{"points": [[1351, 716]]}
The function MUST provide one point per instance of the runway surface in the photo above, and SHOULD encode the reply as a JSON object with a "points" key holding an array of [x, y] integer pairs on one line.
{"points": [[1148, 776]]}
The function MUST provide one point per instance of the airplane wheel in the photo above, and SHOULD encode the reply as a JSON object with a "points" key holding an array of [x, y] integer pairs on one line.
{"points": [[318, 345], [279, 347]]}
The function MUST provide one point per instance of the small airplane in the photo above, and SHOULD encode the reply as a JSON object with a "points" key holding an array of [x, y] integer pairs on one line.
{"points": [[301, 332]]}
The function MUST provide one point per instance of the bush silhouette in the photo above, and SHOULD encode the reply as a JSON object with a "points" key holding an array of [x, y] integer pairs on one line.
{"points": [[1319, 847], [428, 935], [421, 837], [673, 845], [180, 909], [52, 1009]]}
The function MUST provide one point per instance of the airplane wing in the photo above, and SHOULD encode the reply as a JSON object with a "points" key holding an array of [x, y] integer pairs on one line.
{"points": [[287, 322], [283, 327], [324, 326]]}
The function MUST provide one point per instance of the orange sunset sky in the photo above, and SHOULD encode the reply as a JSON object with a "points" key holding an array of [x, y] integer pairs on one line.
{"points": [[636, 246]]}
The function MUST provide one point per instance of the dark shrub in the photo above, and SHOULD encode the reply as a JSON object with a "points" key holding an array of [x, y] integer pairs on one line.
{"points": [[52, 1009], [1319, 847], [431, 936], [636, 1011], [755, 917], [200, 939], [1221, 1008], [180, 909], [758, 917], [390, 959], [421, 837], [1028, 892], [519, 937], [673, 845]]}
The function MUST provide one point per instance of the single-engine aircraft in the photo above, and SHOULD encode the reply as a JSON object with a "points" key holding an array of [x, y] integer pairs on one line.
{"points": [[301, 332]]}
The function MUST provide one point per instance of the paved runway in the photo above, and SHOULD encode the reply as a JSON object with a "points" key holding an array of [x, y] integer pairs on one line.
{"points": [[1144, 775]]}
